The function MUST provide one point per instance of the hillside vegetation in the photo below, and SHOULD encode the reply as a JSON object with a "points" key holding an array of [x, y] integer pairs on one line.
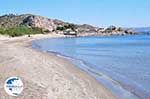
{"points": [[18, 25], [19, 31]]}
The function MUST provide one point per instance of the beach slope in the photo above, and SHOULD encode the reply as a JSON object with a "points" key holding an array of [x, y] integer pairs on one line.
{"points": [[45, 76]]}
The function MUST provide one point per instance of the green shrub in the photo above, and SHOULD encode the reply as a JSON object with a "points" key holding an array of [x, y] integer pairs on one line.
{"points": [[61, 28], [20, 30], [68, 26]]}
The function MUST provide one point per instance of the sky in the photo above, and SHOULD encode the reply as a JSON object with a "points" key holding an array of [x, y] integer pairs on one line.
{"points": [[124, 13]]}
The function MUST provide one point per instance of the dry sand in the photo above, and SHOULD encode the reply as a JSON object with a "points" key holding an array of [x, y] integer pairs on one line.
{"points": [[44, 76]]}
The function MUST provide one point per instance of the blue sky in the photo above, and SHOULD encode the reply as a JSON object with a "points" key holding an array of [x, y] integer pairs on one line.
{"points": [[125, 13]]}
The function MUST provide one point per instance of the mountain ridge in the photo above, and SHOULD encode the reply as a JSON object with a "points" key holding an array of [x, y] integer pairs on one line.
{"points": [[58, 26]]}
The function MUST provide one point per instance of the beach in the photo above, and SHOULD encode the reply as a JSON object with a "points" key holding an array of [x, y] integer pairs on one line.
{"points": [[45, 76]]}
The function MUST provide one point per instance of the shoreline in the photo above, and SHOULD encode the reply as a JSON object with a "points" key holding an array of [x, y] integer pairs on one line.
{"points": [[118, 89], [57, 79]]}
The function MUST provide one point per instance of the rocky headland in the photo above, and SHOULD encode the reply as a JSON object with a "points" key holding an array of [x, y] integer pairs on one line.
{"points": [[47, 25]]}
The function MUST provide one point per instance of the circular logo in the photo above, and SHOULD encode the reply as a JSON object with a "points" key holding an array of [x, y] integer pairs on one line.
{"points": [[13, 86]]}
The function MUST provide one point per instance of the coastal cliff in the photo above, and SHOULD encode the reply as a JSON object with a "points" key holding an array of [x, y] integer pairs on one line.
{"points": [[47, 25]]}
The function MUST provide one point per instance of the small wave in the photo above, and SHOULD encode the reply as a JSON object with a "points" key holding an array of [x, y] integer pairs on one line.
{"points": [[103, 79]]}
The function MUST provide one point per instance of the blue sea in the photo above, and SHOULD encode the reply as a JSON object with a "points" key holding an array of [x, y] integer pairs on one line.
{"points": [[120, 63]]}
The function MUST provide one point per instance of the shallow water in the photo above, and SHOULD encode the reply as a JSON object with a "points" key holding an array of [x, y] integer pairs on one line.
{"points": [[121, 63]]}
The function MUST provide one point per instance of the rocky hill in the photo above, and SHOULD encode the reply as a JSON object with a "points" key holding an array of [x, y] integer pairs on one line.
{"points": [[29, 20], [58, 26]]}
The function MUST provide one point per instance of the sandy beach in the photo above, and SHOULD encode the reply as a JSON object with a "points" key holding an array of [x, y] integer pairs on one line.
{"points": [[45, 76]]}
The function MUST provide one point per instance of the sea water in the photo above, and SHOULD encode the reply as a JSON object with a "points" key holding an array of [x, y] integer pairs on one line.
{"points": [[120, 63]]}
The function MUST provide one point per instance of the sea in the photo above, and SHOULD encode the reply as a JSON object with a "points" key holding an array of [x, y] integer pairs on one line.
{"points": [[120, 63]]}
